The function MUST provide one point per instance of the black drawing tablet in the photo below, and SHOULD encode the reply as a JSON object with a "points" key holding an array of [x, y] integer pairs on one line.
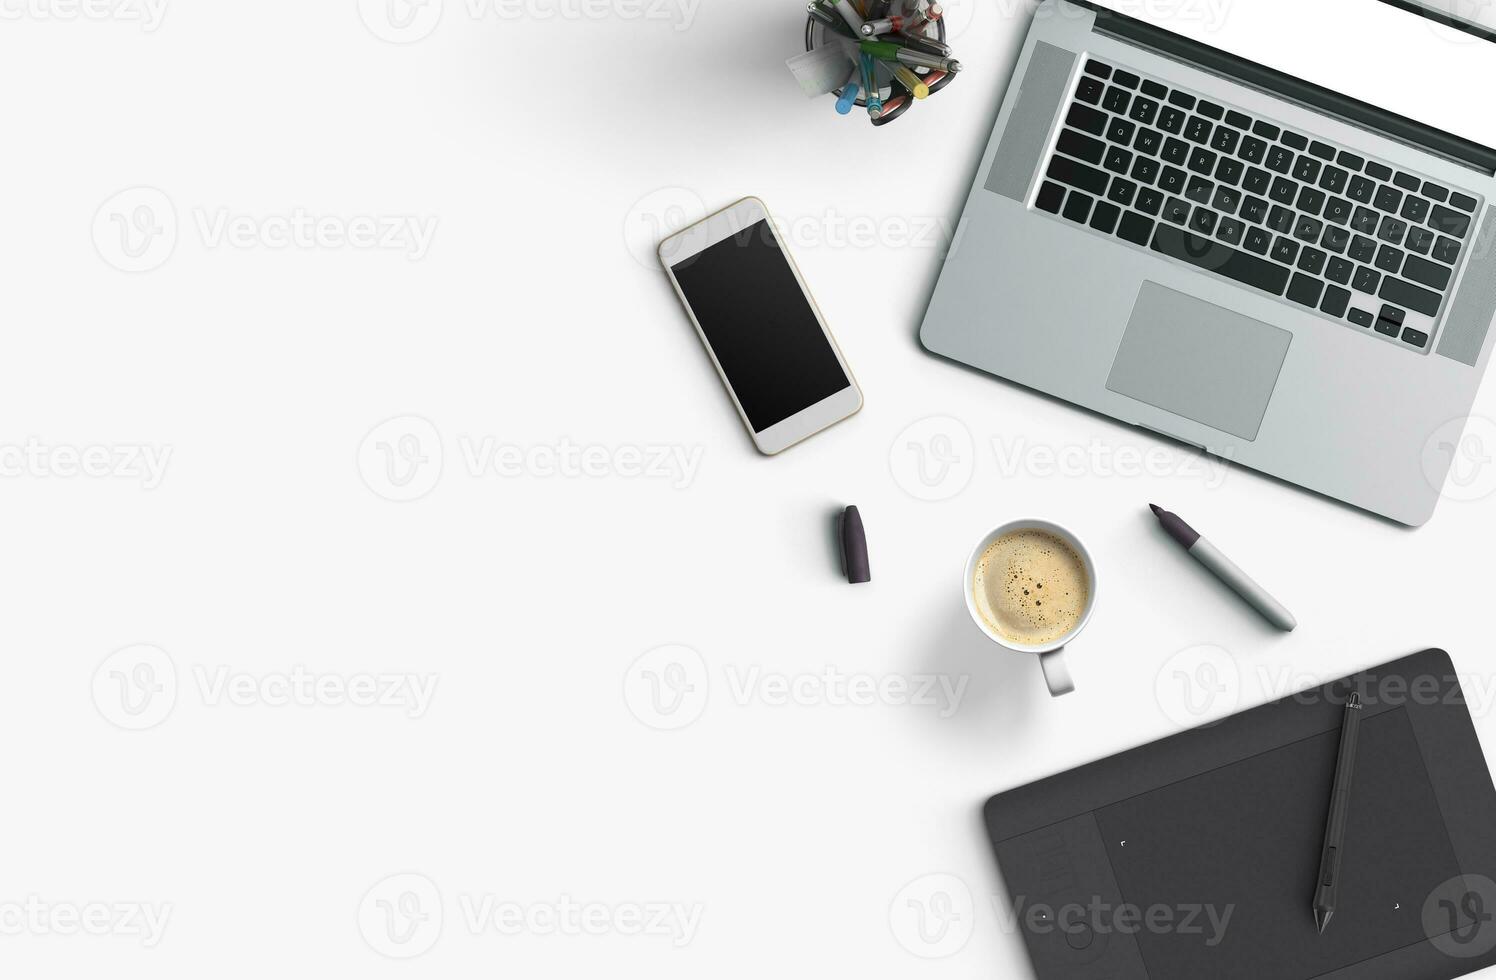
{"points": [[1196, 856]]}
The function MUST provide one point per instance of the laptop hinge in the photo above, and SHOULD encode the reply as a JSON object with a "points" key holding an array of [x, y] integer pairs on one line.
{"points": [[1237, 69]]}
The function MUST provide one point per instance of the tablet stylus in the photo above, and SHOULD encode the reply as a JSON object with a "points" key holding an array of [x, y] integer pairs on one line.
{"points": [[1225, 569], [1340, 797]]}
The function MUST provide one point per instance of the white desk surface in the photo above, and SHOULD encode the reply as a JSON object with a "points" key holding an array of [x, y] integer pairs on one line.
{"points": [[551, 827]]}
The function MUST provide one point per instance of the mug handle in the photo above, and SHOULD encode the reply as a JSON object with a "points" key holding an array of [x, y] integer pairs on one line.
{"points": [[1056, 674]]}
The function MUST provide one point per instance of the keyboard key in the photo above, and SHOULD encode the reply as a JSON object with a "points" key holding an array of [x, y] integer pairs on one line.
{"points": [[1257, 181], [1285, 250], [1144, 169], [1379, 170], [1312, 261], [1306, 168], [1252, 149], [1363, 249], [1143, 110], [1238, 119], [1392, 230], [1307, 229], [1182, 99], [1126, 78], [1427, 273], [1387, 327], [1172, 180], [1176, 150], [1118, 160], [1404, 293], [1462, 201], [1447, 250], [1122, 191], [1229, 170], [1407, 181], [1367, 280], [1156, 90], [1104, 218], [1283, 190], [1254, 209], [1362, 189], [1148, 141], [1203, 221], [1117, 100], [1280, 160], [1339, 270], [1415, 337], [1294, 140], [1265, 129], [1136, 229], [1305, 290], [1222, 259], [1120, 131], [1311, 200], [1335, 238], [1089, 90], [1333, 179], [1258, 240], [1198, 190], [1226, 199], [1338, 210], [1349, 160], [1388, 198], [1171, 120], [1149, 201], [1096, 68], [1365, 221], [1335, 301], [1415, 209], [1280, 220], [1078, 207], [1392, 315], [1389, 259], [1078, 175], [1202, 161], [1420, 240], [1433, 190], [1322, 150], [1452, 223], [1176, 211], [1050, 197], [1210, 109], [1079, 145], [1225, 139], [1229, 231], [1361, 318], [1198, 130], [1084, 117]]}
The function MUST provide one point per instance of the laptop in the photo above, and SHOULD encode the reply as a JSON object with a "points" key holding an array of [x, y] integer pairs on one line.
{"points": [[1272, 237]]}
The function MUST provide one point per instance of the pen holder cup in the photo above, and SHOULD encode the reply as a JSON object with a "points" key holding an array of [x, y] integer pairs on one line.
{"points": [[817, 34]]}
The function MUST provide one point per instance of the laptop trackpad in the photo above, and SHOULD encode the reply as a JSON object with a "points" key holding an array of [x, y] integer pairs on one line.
{"points": [[1199, 360]]}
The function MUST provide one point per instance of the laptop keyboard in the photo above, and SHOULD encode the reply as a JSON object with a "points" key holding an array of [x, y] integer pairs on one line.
{"points": [[1314, 223]]}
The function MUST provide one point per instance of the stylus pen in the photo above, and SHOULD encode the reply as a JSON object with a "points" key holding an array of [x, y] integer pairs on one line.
{"points": [[1225, 569], [1340, 800]]}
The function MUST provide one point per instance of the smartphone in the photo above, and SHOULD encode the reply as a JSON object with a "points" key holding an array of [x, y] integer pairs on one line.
{"points": [[762, 330]]}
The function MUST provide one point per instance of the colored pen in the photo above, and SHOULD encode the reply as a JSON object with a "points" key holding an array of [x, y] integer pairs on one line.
{"points": [[870, 85], [848, 97], [887, 25], [1328, 888], [893, 109], [832, 22], [850, 15], [1224, 569], [916, 22], [920, 42], [911, 81], [888, 51]]}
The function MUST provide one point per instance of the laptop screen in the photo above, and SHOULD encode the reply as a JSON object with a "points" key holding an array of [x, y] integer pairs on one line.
{"points": [[1379, 52]]}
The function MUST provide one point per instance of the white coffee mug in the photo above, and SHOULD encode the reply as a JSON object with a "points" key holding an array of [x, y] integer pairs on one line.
{"points": [[1051, 655]]}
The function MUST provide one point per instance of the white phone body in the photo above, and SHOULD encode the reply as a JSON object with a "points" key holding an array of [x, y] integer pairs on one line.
{"points": [[808, 420]]}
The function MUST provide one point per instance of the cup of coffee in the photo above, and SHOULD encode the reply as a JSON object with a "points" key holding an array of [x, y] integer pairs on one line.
{"points": [[1031, 586]]}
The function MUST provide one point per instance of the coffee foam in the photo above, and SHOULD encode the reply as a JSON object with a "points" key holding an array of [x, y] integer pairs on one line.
{"points": [[1031, 588]]}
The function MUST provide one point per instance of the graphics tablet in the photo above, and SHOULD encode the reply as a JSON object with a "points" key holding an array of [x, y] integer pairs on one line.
{"points": [[1196, 856]]}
